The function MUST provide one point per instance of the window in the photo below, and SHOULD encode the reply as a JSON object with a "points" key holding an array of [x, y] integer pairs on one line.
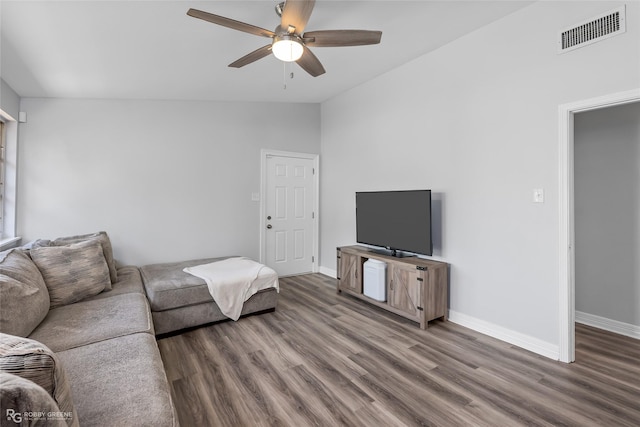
{"points": [[8, 178], [2, 177]]}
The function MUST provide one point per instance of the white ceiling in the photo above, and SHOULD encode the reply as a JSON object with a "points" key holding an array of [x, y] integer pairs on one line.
{"points": [[151, 49]]}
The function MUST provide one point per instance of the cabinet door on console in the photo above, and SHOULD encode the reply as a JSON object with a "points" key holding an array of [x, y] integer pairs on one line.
{"points": [[348, 273], [405, 288]]}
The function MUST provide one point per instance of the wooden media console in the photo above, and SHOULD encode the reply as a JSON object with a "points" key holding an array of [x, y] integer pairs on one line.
{"points": [[416, 288]]}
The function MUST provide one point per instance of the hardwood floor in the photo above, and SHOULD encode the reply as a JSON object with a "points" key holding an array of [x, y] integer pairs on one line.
{"points": [[323, 359]]}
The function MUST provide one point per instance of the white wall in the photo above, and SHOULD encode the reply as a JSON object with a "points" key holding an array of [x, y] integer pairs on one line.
{"points": [[476, 122], [607, 213], [167, 180], [9, 100]]}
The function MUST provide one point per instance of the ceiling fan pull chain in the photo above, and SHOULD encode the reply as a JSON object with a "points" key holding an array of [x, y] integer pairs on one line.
{"points": [[284, 75]]}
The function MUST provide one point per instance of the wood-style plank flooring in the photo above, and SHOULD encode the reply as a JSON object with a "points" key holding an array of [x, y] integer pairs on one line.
{"points": [[323, 359]]}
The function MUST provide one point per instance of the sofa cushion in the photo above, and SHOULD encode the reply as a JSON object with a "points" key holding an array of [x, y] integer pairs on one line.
{"points": [[88, 322], [103, 238], [129, 282], [72, 272], [23, 294], [24, 402], [169, 287], [35, 362], [120, 382]]}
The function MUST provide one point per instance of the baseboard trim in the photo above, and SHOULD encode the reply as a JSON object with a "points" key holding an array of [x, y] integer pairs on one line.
{"points": [[615, 326], [527, 342], [328, 272]]}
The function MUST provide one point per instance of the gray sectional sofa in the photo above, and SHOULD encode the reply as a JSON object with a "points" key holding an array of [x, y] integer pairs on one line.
{"points": [[80, 328]]}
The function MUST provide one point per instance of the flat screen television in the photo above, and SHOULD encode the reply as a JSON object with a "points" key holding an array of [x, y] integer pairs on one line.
{"points": [[395, 220]]}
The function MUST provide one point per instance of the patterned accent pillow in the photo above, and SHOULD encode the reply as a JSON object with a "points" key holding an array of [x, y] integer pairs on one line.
{"points": [[73, 272], [104, 240], [24, 298], [35, 362]]}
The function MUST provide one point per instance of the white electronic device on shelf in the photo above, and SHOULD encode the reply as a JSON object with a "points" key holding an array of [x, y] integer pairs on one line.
{"points": [[375, 272]]}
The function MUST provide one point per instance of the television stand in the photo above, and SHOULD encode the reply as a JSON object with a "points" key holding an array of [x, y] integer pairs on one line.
{"points": [[416, 288]]}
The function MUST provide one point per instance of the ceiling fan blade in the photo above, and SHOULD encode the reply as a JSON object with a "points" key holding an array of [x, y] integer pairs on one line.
{"points": [[230, 23], [336, 38], [296, 14], [310, 63], [252, 57]]}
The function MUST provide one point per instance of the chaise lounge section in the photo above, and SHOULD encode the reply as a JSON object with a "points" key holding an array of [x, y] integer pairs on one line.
{"points": [[179, 300]]}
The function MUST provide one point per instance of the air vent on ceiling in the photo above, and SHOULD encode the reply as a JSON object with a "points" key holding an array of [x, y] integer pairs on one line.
{"points": [[601, 27]]}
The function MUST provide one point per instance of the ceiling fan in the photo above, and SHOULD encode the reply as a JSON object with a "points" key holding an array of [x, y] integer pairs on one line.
{"points": [[289, 41]]}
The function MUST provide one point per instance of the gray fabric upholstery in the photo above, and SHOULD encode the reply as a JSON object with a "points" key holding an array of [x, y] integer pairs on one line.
{"points": [[129, 282], [105, 339], [32, 360], [107, 249], [121, 381], [72, 272], [199, 314], [24, 299], [40, 243], [169, 287], [88, 322], [20, 397], [180, 300]]}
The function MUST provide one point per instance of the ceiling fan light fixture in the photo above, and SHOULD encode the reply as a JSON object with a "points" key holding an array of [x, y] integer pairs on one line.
{"points": [[289, 41], [287, 48]]}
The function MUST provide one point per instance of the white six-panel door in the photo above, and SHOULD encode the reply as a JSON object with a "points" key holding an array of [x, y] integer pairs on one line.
{"points": [[289, 201]]}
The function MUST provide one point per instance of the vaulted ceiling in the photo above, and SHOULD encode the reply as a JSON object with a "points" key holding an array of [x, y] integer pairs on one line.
{"points": [[151, 49]]}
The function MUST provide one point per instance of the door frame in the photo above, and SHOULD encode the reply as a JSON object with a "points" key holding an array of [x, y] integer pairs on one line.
{"points": [[567, 310], [266, 153]]}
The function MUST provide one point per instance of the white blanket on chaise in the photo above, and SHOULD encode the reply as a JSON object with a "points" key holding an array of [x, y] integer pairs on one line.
{"points": [[231, 282]]}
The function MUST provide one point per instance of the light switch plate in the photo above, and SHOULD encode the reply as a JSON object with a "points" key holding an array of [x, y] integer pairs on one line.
{"points": [[255, 197], [538, 195]]}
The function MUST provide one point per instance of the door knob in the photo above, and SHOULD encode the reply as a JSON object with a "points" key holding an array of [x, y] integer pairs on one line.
{"points": [[269, 226]]}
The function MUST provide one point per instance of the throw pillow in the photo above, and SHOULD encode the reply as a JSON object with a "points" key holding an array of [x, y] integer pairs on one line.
{"points": [[35, 362], [72, 273], [104, 240], [24, 299], [26, 403]]}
